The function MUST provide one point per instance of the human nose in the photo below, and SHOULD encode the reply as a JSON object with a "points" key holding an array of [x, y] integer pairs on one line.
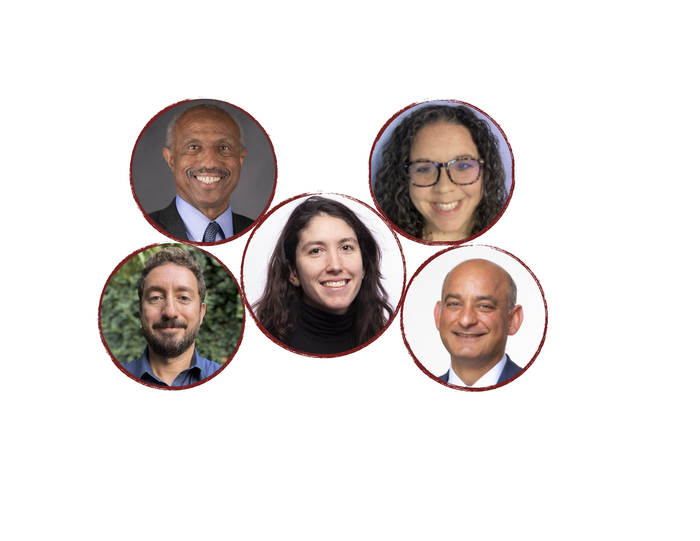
{"points": [[208, 157], [169, 308], [334, 263], [467, 316], [444, 184]]}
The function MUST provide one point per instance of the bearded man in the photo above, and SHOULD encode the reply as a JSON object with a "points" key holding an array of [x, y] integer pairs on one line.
{"points": [[171, 304]]}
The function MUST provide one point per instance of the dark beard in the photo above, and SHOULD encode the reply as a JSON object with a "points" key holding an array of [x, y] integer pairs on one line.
{"points": [[171, 347]]}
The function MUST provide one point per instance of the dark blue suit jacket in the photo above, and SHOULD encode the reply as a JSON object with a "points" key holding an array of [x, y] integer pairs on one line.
{"points": [[169, 220], [509, 370]]}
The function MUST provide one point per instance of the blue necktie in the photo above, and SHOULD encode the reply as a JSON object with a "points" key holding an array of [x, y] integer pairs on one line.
{"points": [[210, 233]]}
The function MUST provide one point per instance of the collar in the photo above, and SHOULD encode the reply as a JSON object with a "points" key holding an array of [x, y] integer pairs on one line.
{"points": [[487, 380], [196, 222]]}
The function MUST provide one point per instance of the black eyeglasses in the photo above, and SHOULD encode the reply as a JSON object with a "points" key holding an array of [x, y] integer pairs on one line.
{"points": [[460, 171]]}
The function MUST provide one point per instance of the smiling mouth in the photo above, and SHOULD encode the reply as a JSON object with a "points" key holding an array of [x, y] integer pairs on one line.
{"points": [[207, 179], [336, 284], [465, 335], [447, 206]]}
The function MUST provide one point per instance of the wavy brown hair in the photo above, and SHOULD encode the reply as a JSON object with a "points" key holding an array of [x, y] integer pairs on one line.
{"points": [[391, 182], [279, 307]]}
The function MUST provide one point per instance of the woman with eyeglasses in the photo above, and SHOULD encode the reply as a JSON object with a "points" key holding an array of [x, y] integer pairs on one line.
{"points": [[323, 292], [442, 178]]}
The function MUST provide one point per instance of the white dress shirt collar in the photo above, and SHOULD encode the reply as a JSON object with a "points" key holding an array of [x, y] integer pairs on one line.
{"points": [[487, 380]]}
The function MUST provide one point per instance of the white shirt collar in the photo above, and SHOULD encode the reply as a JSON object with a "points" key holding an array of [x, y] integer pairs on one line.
{"points": [[487, 380]]}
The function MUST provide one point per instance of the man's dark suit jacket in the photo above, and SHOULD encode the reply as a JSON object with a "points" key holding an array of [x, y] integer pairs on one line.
{"points": [[509, 370], [169, 220]]}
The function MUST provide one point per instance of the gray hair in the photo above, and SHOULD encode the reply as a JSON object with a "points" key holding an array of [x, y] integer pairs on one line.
{"points": [[170, 132]]}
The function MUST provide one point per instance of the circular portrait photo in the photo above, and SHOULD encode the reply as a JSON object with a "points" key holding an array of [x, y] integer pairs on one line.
{"points": [[474, 317], [323, 274], [203, 171], [171, 316], [441, 172]]}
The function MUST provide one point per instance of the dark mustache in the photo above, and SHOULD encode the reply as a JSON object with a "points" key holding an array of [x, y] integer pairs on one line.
{"points": [[223, 173], [172, 322]]}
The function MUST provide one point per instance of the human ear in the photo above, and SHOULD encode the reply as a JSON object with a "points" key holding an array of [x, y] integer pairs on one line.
{"points": [[293, 278], [436, 314], [515, 320], [202, 311], [169, 156]]}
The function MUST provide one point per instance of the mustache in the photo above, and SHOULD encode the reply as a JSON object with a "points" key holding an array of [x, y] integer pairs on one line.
{"points": [[172, 322], [214, 172]]}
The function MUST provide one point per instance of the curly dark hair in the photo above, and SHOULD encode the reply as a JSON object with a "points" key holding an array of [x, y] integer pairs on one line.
{"points": [[279, 307], [391, 187], [178, 256]]}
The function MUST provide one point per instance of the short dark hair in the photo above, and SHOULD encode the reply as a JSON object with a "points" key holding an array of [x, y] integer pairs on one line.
{"points": [[391, 182], [177, 256], [170, 132], [278, 308]]}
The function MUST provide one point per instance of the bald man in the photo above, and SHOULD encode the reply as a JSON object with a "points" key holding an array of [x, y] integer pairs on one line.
{"points": [[204, 149], [476, 314]]}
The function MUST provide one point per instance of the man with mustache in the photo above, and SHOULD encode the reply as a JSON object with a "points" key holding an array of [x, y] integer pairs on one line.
{"points": [[171, 304], [205, 150], [475, 316]]}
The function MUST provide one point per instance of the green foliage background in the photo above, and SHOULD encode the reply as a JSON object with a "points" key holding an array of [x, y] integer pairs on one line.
{"points": [[119, 310]]}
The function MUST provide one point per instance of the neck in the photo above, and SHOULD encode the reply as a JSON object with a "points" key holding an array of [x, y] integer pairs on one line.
{"points": [[167, 369], [437, 236], [471, 370]]}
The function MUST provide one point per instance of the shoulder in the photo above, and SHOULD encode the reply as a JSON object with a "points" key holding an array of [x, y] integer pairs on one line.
{"points": [[445, 376], [241, 222], [509, 370], [205, 365], [168, 212]]}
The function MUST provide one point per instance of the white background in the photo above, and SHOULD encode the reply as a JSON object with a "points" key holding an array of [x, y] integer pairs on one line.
{"points": [[596, 440]]}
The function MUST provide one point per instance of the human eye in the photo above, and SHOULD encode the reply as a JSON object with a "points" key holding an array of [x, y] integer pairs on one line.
{"points": [[347, 248], [192, 147], [154, 298], [314, 251], [464, 165], [423, 168]]}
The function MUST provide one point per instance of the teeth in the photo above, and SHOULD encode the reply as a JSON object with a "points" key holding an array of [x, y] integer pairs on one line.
{"points": [[335, 284], [208, 180], [446, 206], [466, 335]]}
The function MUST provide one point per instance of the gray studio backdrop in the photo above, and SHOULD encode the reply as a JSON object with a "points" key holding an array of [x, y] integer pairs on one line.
{"points": [[153, 181]]}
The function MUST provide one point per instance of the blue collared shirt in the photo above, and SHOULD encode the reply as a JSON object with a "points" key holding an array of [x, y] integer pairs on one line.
{"points": [[199, 369], [196, 222]]}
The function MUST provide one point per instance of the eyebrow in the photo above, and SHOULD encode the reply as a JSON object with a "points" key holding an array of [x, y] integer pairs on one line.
{"points": [[158, 288], [478, 298], [458, 157], [323, 243]]}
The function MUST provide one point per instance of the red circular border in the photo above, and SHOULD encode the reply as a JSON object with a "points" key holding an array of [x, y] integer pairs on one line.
{"points": [[325, 355], [475, 389], [187, 241], [119, 365], [443, 242]]}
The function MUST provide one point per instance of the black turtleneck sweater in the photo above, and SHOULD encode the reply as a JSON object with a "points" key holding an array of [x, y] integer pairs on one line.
{"points": [[321, 332]]}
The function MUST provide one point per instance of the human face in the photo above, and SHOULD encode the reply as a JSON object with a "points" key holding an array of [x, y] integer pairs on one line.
{"points": [[447, 208], [170, 311], [206, 160], [329, 264], [473, 316]]}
